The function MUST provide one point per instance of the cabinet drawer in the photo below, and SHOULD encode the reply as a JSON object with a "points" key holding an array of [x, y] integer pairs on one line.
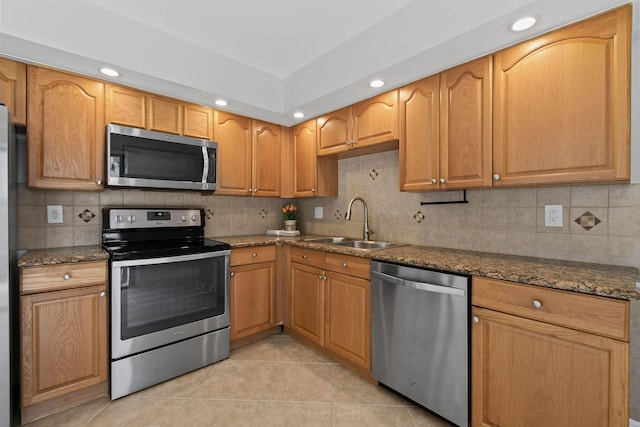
{"points": [[252, 255], [351, 265], [62, 276], [308, 257], [599, 315]]}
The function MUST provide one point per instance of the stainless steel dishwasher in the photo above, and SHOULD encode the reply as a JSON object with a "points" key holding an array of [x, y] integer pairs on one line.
{"points": [[420, 337]]}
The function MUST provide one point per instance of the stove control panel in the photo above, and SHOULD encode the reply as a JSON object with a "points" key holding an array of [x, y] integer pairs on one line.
{"points": [[119, 218]]}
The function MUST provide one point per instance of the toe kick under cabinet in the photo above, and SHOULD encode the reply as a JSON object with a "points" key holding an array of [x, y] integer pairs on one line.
{"points": [[63, 333], [546, 357]]}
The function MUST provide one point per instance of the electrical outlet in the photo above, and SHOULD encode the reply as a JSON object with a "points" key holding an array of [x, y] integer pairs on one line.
{"points": [[553, 215], [318, 212], [54, 214]]}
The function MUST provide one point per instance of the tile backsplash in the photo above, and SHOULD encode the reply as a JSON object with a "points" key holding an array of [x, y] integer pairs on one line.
{"points": [[82, 214], [601, 223]]}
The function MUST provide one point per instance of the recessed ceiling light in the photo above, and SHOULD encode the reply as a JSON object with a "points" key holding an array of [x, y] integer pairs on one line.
{"points": [[523, 23], [376, 83], [109, 72], [221, 102], [298, 114]]}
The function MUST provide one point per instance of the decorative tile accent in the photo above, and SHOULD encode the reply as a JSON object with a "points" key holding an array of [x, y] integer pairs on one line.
{"points": [[373, 174], [419, 217], [262, 213], [338, 215], [86, 215], [209, 214], [587, 220]]}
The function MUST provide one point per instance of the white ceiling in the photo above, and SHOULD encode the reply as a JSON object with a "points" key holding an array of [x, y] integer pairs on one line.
{"points": [[271, 58]]}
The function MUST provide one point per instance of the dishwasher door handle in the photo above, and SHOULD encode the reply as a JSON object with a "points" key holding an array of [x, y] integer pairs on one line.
{"points": [[421, 286]]}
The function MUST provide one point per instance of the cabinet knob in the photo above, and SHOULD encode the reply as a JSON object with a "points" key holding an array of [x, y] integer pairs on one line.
{"points": [[255, 254], [476, 319], [232, 274], [99, 182], [255, 190], [496, 177], [442, 180], [251, 190], [103, 294], [536, 304], [434, 181], [67, 276], [313, 190], [344, 263], [304, 257], [320, 277]]}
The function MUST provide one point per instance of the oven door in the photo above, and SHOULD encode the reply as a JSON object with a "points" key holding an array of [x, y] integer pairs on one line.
{"points": [[159, 301]]}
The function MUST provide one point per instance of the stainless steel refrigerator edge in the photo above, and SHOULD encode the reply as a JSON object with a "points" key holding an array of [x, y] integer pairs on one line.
{"points": [[8, 273]]}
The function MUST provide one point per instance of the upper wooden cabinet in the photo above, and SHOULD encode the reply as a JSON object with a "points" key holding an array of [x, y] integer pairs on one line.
{"points": [[466, 125], [65, 131], [562, 105], [313, 176], [445, 129], [139, 109], [13, 89], [248, 156], [369, 122]]}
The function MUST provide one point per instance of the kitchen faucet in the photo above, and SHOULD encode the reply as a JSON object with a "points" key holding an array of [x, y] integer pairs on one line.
{"points": [[366, 232]]}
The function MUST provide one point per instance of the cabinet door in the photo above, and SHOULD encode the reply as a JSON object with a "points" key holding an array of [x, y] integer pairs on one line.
{"points": [[348, 318], [13, 89], [65, 131], [252, 299], [233, 135], [307, 301], [375, 120], [198, 121], [64, 342], [419, 135], [529, 373], [562, 105], [126, 106], [334, 132], [164, 115], [266, 159], [305, 165], [465, 125]]}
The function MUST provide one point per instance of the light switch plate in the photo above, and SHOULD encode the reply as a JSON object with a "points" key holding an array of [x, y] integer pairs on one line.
{"points": [[54, 214], [318, 212]]}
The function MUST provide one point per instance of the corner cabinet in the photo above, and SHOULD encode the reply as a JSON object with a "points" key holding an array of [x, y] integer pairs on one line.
{"points": [[562, 105], [13, 89], [252, 289], [65, 131], [63, 333], [554, 358]]}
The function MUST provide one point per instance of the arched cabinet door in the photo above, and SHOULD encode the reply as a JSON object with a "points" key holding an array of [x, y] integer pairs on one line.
{"points": [[65, 131]]}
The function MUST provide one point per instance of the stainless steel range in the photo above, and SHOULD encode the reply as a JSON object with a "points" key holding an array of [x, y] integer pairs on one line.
{"points": [[169, 295]]}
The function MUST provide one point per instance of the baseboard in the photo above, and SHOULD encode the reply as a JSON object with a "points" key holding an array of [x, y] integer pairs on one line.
{"points": [[633, 423]]}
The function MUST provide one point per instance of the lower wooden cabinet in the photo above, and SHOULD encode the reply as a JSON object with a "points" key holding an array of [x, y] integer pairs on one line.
{"points": [[63, 338], [330, 298], [533, 370], [252, 288]]}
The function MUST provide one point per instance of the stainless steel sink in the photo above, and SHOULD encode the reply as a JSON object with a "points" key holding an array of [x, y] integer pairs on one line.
{"points": [[348, 242], [367, 244], [329, 240]]}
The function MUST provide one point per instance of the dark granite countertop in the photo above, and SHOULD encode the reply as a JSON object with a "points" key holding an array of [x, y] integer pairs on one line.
{"points": [[596, 279], [62, 255]]}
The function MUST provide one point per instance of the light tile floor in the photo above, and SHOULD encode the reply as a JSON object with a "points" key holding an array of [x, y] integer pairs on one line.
{"points": [[273, 382]]}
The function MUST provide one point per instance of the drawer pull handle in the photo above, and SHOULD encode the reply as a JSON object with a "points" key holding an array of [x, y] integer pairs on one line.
{"points": [[67, 276], [103, 294], [344, 263], [536, 303], [255, 254]]}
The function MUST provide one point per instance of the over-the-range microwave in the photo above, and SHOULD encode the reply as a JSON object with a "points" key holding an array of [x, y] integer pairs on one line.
{"points": [[148, 159]]}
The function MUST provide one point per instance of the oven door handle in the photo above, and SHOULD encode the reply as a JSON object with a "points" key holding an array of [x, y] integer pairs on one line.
{"points": [[169, 259]]}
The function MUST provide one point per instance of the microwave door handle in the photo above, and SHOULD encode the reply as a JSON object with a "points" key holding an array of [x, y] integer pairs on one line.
{"points": [[205, 168]]}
